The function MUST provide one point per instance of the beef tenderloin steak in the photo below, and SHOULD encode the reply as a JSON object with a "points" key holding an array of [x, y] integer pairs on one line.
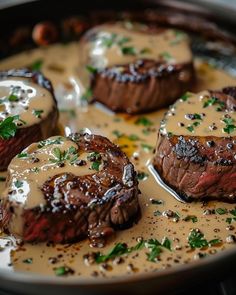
{"points": [[136, 69], [28, 111], [65, 189], [196, 146]]}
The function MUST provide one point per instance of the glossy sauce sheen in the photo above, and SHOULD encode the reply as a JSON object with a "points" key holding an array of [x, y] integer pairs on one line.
{"points": [[113, 45], [29, 170], [179, 117], [20, 96], [155, 223]]}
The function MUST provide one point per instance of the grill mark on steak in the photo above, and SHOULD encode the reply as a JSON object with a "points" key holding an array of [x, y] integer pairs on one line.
{"points": [[196, 169], [91, 205]]}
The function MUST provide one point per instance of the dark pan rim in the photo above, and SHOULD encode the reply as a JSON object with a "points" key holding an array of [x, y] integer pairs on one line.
{"points": [[33, 278]]}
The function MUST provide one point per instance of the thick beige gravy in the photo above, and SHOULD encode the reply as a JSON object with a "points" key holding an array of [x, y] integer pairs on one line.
{"points": [[117, 44], [46, 259], [198, 114], [29, 170], [20, 96]]}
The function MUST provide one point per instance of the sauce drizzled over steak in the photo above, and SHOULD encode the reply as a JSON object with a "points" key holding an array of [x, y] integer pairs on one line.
{"points": [[65, 189], [196, 146], [133, 67], [28, 111]]}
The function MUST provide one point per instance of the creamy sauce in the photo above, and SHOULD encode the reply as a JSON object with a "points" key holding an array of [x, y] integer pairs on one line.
{"points": [[198, 114], [112, 45], [35, 165], [20, 96], [46, 259]]}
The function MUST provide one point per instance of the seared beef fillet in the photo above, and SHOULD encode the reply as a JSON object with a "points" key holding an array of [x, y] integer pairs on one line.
{"points": [[26, 133], [135, 76], [201, 167], [92, 204]]}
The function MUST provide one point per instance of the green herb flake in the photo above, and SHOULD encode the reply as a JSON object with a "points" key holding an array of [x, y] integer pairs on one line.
{"points": [[230, 127], [192, 218], [88, 94], [185, 96], [91, 69], [2, 178], [143, 121], [28, 260], [96, 165], [12, 97], [212, 101], [221, 211], [142, 175], [191, 127], [145, 50], [37, 113], [128, 50], [36, 65], [166, 243], [196, 239], [47, 142], [63, 271], [22, 155], [18, 183], [157, 213], [8, 127]]}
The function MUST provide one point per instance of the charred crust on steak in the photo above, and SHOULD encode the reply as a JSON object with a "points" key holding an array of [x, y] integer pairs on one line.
{"points": [[197, 166], [75, 206]]}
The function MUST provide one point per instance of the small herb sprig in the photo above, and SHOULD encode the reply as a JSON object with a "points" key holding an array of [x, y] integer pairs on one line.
{"points": [[230, 126], [214, 101], [153, 245], [47, 142], [8, 127], [196, 239], [95, 158], [60, 157]]}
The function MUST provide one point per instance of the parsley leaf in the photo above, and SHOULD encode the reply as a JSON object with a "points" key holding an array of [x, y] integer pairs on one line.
{"points": [[37, 113], [8, 127], [143, 121]]}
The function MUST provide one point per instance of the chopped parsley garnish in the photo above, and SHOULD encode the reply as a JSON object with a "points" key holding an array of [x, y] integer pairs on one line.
{"points": [[63, 271], [179, 36], [36, 65], [91, 69], [95, 165], [185, 96], [37, 113], [191, 127], [47, 142], [157, 213], [13, 97], [230, 127], [35, 170], [128, 50], [146, 147], [146, 131], [221, 211], [28, 260], [143, 121], [60, 157], [18, 183], [22, 155], [108, 41], [166, 55], [142, 175], [196, 239], [2, 178], [153, 245], [8, 127], [123, 40], [155, 248], [192, 218], [87, 95], [95, 158], [212, 101], [230, 219]]}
